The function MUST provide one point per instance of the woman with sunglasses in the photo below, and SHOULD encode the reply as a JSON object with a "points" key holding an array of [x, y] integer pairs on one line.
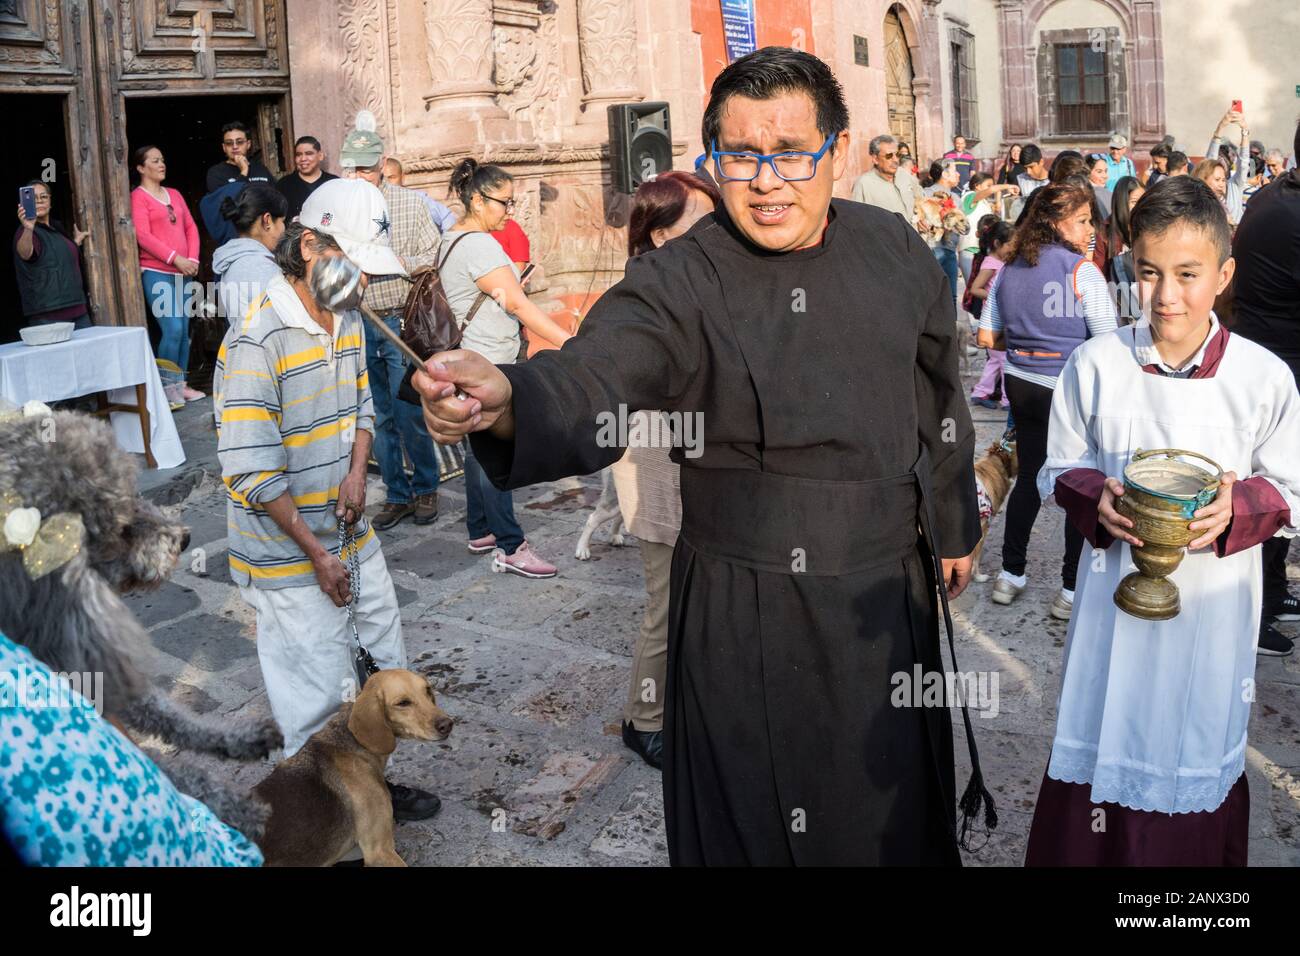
{"points": [[483, 290], [169, 253]]}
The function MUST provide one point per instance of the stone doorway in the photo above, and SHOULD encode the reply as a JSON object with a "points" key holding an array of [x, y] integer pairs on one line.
{"points": [[898, 82]]}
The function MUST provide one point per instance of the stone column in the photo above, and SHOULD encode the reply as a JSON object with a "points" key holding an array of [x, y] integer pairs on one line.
{"points": [[607, 45], [1019, 100], [927, 83], [1147, 86], [460, 51]]}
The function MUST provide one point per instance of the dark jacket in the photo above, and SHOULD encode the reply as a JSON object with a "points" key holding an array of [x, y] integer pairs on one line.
{"points": [[1266, 286], [51, 279]]}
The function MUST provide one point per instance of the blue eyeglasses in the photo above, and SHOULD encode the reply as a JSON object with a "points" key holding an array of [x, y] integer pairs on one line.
{"points": [[792, 166]]}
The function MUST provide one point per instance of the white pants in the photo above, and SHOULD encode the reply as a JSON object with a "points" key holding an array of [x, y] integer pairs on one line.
{"points": [[304, 644]]}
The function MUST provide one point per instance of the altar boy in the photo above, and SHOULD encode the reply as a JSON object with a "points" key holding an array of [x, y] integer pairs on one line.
{"points": [[1148, 759]]}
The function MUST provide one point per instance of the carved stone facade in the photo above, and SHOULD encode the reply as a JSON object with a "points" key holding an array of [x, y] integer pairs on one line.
{"points": [[521, 83]]}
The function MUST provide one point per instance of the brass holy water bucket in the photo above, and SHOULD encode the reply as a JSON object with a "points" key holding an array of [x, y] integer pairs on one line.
{"points": [[1161, 493]]}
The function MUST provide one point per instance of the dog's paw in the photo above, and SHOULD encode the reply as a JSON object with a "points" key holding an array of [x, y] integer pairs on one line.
{"points": [[582, 552], [980, 578], [617, 540], [248, 814], [252, 740]]}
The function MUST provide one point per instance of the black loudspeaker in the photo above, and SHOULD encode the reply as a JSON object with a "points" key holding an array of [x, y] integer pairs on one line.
{"points": [[640, 144]]}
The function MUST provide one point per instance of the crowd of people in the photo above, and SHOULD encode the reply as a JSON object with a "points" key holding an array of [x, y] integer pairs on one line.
{"points": [[1094, 289], [1076, 208]]}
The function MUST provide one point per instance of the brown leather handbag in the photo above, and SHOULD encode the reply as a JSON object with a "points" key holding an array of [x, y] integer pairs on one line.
{"points": [[428, 323]]}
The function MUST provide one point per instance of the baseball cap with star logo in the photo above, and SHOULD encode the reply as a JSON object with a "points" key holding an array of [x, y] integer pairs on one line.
{"points": [[355, 214]]}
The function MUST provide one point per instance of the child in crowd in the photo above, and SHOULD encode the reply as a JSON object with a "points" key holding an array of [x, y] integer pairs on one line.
{"points": [[994, 238]]}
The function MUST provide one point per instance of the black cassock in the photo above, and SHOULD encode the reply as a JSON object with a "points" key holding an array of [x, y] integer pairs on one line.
{"points": [[827, 383]]}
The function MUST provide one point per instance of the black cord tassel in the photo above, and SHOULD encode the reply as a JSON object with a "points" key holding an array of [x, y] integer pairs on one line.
{"points": [[969, 804]]}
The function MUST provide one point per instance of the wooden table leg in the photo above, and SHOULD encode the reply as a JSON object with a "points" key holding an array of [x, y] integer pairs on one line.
{"points": [[142, 406]]}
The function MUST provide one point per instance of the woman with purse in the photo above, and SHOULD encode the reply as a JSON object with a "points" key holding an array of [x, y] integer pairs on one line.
{"points": [[483, 290]]}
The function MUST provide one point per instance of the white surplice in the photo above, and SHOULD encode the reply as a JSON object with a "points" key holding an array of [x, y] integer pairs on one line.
{"points": [[1153, 714]]}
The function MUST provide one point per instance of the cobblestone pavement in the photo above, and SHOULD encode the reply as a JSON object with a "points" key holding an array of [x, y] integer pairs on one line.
{"points": [[535, 672]]}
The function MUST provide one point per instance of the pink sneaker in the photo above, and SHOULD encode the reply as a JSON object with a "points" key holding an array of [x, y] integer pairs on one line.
{"points": [[191, 394], [483, 545], [524, 561]]}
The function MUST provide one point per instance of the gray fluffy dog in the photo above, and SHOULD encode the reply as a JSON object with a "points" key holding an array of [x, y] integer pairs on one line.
{"points": [[73, 619]]}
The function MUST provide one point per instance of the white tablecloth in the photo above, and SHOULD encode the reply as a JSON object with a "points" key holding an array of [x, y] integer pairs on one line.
{"points": [[111, 359]]}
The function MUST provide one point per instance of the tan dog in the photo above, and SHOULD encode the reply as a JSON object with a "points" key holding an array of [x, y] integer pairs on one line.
{"points": [[932, 221], [993, 475], [331, 795]]}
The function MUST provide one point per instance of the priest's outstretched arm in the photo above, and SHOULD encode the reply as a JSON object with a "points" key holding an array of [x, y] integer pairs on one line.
{"points": [[640, 346]]}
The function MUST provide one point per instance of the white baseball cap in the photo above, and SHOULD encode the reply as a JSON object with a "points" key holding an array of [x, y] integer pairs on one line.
{"points": [[353, 212]]}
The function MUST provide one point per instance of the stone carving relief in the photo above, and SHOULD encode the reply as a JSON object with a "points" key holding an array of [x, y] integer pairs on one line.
{"points": [[460, 42], [584, 231], [607, 39], [365, 62], [527, 71]]}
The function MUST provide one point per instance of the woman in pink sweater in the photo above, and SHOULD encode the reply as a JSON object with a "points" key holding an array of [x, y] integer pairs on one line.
{"points": [[169, 251]]}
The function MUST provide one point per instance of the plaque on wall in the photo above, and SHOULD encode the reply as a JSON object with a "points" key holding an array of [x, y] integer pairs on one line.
{"points": [[860, 51]]}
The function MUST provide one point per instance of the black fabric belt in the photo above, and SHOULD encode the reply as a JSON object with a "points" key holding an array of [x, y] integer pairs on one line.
{"points": [[789, 525]]}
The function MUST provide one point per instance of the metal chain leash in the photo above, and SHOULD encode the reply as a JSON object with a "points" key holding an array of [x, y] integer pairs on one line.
{"points": [[362, 662]]}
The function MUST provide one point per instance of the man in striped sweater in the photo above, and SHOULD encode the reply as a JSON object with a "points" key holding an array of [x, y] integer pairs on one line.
{"points": [[295, 423]]}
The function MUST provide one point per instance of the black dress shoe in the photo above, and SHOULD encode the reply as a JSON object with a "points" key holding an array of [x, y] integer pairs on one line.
{"points": [[1273, 643], [648, 743], [412, 804]]}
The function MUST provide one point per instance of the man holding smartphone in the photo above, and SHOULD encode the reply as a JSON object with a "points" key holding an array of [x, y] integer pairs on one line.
{"points": [[47, 263]]}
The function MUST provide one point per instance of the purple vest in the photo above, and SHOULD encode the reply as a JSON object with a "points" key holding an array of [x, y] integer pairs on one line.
{"points": [[1042, 317]]}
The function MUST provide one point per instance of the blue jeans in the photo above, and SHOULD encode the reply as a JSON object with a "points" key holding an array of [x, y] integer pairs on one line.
{"points": [[947, 258], [165, 294], [397, 423], [488, 510]]}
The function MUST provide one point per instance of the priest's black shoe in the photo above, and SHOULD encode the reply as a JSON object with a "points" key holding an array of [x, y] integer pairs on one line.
{"points": [[648, 743], [412, 804]]}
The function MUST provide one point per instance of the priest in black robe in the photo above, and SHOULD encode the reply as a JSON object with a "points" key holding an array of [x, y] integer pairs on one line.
{"points": [[816, 341]]}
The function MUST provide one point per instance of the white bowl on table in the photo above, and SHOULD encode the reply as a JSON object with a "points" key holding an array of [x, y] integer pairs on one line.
{"points": [[47, 334]]}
